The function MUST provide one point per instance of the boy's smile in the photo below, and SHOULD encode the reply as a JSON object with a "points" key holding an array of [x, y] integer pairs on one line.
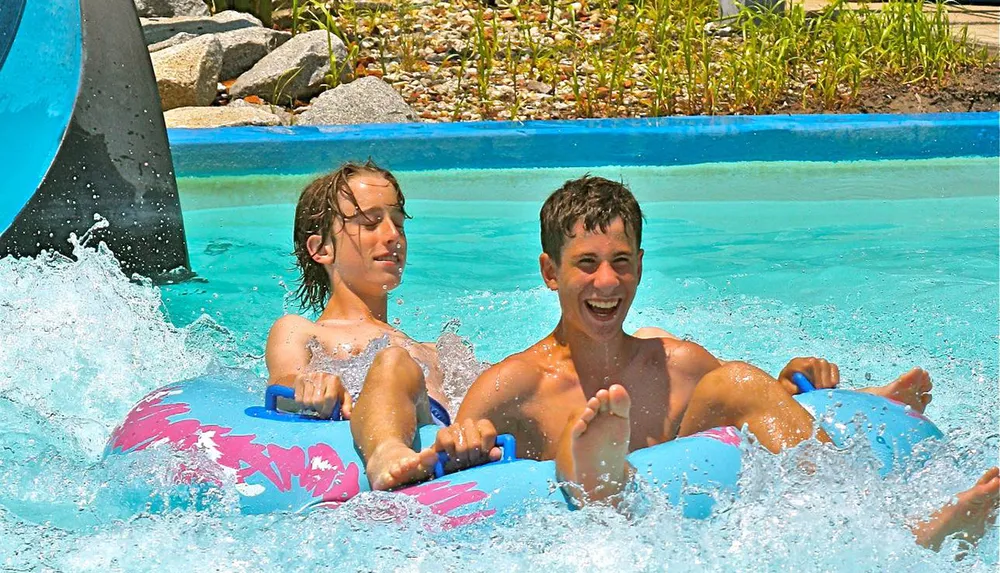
{"points": [[596, 278]]}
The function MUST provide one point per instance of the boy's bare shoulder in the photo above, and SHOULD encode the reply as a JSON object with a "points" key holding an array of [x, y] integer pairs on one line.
{"points": [[515, 375], [292, 326]]}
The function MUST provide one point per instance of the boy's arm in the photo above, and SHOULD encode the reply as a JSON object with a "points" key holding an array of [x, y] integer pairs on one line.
{"points": [[489, 408], [287, 353], [496, 393], [287, 356]]}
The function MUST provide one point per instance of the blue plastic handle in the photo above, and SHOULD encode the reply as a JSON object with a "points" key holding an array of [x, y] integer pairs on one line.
{"points": [[802, 382], [508, 453], [276, 391]]}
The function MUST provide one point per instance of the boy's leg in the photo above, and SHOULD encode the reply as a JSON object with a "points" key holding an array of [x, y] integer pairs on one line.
{"points": [[592, 449], [738, 394], [385, 418], [912, 388]]}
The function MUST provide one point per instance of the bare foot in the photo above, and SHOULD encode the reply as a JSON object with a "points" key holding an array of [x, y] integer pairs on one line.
{"points": [[912, 389], [966, 517], [394, 464], [593, 447]]}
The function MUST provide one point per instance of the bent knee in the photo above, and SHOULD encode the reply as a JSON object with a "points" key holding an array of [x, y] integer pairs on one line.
{"points": [[398, 360], [734, 380]]}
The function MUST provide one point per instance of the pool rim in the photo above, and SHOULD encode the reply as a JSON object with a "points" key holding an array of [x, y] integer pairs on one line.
{"points": [[665, 141]]}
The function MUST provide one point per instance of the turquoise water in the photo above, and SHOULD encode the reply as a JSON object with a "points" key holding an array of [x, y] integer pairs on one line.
{"points": [[878, 266]]}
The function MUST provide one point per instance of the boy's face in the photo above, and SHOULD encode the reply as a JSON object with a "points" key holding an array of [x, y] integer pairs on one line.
{"points": [[370, 242], [596, 279]]}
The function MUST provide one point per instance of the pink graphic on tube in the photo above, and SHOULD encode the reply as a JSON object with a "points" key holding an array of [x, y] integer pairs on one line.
{"points": [[320, 471], [727, 435], [443, 498]]}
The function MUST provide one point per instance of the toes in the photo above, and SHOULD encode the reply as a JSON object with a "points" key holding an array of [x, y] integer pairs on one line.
{"points": [[990, 475], [604, 398], [620, 401]]}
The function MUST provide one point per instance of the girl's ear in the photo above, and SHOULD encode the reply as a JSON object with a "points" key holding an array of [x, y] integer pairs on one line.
{"points": [[319, 251], [548, 268]]}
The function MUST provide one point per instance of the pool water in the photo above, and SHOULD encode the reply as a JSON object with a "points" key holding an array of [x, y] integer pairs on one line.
{"points": [[878, 266]]}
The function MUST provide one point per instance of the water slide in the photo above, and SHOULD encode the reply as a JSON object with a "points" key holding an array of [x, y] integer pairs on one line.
{"points": [[82, 134]]}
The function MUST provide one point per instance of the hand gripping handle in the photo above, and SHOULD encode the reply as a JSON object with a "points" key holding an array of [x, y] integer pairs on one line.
{"points": [[276, 391], [508, 452]]}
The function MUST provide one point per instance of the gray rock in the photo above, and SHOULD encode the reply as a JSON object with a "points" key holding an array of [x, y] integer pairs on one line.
{"points": [[171, 41], [284, 115], [159, 29], [241, 49], [365, 100], [188, 74], [171, 8], [294, 70], [229, 116]]}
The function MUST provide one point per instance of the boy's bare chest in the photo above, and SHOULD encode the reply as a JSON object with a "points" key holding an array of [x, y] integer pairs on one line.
{"points": [[562, 396], [340, 341]]}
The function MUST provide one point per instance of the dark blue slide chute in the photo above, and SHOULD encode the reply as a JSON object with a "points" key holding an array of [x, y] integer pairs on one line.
{"points": [[82, 134]]}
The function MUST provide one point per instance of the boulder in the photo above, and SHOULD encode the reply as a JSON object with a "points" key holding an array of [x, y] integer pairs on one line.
{"points": [[283, 115], [171, 8], [294, 70], [159, 29], [228, 116], [243, 48], [365, 100], [171, 41], [188, 74]]}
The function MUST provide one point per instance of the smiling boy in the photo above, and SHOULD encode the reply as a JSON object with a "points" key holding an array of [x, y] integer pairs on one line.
{"points": [[588, 393]]}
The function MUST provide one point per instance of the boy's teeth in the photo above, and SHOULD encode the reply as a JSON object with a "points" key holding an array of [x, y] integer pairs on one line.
{"points": [[603, 304]]}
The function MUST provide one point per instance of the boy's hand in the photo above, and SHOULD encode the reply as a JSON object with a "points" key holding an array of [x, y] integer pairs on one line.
{"points": [[821, 373], [468, 444], [320, 392]]}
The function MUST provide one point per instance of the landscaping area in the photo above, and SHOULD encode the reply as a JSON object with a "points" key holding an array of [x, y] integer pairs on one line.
{"points": [[557, 59]]}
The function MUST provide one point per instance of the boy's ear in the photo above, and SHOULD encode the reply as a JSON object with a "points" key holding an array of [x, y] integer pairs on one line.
{"points": [[639, 269], [321, 252], [548, 267]]}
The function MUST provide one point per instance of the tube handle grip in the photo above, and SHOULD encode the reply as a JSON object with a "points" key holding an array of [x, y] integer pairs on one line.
{"points": [[276, 391], [802, 382], [508, 451]]}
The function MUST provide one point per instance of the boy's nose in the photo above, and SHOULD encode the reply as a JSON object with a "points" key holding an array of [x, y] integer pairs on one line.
{"points": [[388, 230], [605, 277]]}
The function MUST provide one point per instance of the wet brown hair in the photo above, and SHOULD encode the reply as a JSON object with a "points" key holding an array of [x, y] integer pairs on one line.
{"points": [[594, 200], [315, 214]]}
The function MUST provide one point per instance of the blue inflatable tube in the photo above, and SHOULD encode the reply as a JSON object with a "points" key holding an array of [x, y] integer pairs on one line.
{"points": [[277, 461]]}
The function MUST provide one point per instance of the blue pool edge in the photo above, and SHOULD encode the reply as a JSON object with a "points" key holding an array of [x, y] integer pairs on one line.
{"points": [[588, 142]]}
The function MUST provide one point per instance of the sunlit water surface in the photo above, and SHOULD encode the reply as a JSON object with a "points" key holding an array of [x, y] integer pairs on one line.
{"points": [[876, 266]]}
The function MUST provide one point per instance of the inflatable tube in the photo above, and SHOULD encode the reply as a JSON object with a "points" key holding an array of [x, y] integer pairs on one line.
{"points": [[83, 134], [280, 461]]}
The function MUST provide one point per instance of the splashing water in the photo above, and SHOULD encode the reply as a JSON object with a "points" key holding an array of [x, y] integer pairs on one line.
{"points": [[80, 343]]}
